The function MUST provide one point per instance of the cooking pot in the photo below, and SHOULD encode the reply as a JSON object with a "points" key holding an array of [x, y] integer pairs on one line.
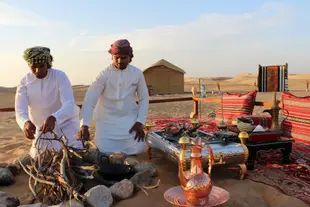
{"points": [[115, 171]]}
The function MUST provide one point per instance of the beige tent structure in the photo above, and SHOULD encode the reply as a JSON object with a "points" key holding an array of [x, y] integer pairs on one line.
{"points": [[164, 78]]}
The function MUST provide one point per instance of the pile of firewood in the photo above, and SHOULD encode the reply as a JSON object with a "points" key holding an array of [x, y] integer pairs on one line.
{"points": [[57, 176]]}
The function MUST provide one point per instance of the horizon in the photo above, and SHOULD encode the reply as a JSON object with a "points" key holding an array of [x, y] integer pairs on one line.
{"points": [[204, 38], [189, 77]]}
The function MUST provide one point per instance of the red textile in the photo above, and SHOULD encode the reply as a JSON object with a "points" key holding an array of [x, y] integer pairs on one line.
{"points": [[236, 105], [159, 123], [121, 47], [297, 117]]}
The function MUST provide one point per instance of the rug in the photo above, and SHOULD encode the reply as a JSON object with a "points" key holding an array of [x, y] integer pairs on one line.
{"points": [[208, 124], [292, 179]]}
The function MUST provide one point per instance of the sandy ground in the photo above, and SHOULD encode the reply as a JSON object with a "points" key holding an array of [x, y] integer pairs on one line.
{"points": [[243, 193]]}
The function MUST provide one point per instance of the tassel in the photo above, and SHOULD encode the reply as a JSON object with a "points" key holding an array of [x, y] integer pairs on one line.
{"points": [[218, 86], [222, 110]]}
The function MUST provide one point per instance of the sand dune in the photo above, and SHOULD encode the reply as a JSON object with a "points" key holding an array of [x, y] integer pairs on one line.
{"points": [[245, 81], [239, 82]]}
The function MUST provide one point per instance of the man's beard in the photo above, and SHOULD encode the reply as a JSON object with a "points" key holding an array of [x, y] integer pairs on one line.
{"points": [[121, 66], [40, 74]]}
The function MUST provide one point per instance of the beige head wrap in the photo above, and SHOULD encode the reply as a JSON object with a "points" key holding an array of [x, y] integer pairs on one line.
{"points": [[38, 55]]}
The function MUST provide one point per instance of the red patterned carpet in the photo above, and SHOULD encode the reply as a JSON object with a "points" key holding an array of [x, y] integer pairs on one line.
{"points": [[160, 123], [292, 179]]}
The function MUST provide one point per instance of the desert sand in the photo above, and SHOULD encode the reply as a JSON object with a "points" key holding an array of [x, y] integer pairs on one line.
{"points": [[243, 192]]}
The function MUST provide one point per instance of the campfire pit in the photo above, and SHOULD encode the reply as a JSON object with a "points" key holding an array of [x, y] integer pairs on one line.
{"points": [[58, 176]]}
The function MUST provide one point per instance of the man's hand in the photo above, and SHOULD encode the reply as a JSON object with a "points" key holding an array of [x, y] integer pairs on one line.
{"points": [[84, 133], [48, 125], [29, 130], [138, 128]]}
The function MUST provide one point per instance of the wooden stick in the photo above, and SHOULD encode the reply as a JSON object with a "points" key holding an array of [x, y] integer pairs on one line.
{"points": [[35, 178], [152, 186], [53, 170]]}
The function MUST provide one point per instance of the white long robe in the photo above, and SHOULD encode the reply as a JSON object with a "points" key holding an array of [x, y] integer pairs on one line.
{"points": [[36, 99], [112, 99]]}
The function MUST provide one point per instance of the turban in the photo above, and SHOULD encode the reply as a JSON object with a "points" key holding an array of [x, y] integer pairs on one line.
{"points": [[38, 55], [121, 47]]}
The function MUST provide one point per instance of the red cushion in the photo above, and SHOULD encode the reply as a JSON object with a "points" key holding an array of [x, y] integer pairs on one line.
{"points": [[296, 111], [236, 105]]}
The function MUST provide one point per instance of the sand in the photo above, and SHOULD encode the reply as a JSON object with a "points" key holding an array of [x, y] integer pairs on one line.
{"points": [[243, 192]]}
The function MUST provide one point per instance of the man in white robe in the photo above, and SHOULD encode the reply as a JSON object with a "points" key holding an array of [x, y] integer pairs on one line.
{"points": [[119, 119], [44, 102]]}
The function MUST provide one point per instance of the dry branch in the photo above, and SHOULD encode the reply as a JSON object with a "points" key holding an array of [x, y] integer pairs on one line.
{"points": [[56, 175]]}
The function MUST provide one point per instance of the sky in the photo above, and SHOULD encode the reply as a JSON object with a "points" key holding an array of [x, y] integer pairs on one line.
{"points": [[206, 38]]}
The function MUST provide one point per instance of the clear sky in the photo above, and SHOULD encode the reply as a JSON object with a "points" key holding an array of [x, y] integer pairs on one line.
{"points": [[203, 37]]}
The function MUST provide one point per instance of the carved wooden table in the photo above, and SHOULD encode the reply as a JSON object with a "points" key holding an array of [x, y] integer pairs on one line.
{"points": [[283, 144]]}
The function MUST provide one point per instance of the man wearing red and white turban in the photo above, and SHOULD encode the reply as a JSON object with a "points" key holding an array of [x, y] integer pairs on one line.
{"points": [[119, 119]]}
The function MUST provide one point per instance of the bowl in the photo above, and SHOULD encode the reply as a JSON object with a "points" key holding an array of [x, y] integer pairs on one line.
{"points": [[245, 124]]}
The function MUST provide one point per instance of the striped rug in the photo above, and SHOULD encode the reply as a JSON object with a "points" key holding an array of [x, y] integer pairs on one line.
{"points": [[272, 78]]}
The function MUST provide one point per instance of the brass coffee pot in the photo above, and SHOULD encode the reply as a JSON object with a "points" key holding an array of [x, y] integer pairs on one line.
{"points": [[274, 112]]}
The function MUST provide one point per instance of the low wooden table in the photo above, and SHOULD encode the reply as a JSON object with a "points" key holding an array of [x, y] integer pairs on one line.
{"points": [[283, 144]]}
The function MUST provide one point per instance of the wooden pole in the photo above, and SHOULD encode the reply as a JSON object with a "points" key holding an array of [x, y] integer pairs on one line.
{"points": [[196, 108]]}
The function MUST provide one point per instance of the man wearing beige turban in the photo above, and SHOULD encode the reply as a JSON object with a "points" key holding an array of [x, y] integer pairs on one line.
{"points": [[112, 97], [44, 102]]}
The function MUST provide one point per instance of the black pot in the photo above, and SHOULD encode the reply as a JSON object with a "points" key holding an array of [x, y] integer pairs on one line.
{"points": [[116, 172]]}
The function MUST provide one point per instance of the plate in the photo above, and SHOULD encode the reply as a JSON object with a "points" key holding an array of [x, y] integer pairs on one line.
{"points": [[176, 196]]}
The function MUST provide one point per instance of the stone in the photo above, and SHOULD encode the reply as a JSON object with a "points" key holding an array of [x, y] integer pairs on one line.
{"points": [[8, 199], [122, 190], [143, 178], [146, 166], [131, 161], [14, 168], [99, 196], [25, 159], [6, 177]]}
